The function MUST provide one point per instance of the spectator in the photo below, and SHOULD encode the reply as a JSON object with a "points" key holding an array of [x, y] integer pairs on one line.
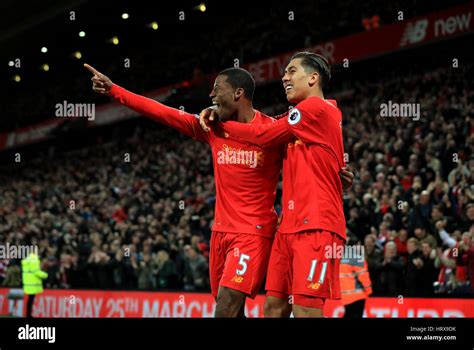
{"points": [[467, 221], [463, 254], [446, 263], [391, 273], [413, 267], [165, 271], [144, 271], [196, 270], [420, 214], [374, 260], [428, 270], [423, 236], [13, 282], [401, 240], [445, 236], [51, 266], [355, 224], [13, 276], [99, 269]]}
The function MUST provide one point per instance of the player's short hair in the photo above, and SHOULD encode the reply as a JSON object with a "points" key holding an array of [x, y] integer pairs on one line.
{"points": [[313, 62], [240, 78]]}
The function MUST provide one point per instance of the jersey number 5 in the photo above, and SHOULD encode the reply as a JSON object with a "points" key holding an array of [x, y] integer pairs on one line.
{"points": [[243, 263]]}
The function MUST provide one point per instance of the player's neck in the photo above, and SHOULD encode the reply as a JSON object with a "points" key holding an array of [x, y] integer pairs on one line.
{"points": [[317, 93], [246, 114]]}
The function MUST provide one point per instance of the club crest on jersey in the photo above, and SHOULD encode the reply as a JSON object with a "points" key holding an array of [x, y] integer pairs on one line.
{"points": [[294, 116]]}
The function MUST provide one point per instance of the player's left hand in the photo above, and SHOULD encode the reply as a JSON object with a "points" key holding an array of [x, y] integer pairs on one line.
{"points": [[206, 117], [347, 177]]}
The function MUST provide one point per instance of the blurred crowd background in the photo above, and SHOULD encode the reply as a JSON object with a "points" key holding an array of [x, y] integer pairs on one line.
{"points": [[104, 221]]}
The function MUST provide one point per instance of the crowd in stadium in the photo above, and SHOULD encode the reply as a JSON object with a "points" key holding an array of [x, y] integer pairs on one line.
{"points": [[415, 182], [136, 213]]}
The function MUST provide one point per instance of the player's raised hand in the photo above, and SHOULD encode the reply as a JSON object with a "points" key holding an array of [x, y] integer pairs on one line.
{"points": [[206, 117], [100, 83], [347, 177]]}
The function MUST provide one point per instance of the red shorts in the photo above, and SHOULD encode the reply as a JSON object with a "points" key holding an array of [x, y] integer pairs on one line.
{"points": [[300, 265], [238, 261]]}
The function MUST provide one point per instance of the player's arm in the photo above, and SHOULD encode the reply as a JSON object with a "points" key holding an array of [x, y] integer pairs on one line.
{"points": [[185, 123], [267, 135], [262, 135], [305, 122], [208, 117], [308, 122]]}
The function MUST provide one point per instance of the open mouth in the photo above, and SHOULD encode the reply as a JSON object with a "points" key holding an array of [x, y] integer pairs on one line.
{"points": [[288, 88]]}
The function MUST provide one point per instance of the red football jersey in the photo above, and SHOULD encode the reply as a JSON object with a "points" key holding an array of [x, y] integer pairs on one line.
{"points": [[245, 175], [312, 188]]}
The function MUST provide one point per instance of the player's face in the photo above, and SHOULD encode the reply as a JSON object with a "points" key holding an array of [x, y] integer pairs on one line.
{"points": [[297, 82], [222, 96]]}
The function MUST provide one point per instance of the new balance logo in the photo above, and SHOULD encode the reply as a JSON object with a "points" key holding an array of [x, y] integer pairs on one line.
{"points": [[414, 32], [237, 279]]}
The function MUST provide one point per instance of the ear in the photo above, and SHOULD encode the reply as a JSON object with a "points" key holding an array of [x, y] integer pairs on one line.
{"points": [[238, 93], [313, 79]]}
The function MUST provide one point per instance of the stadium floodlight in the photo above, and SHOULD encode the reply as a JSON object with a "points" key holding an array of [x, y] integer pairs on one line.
{"points": [[82, 33], [125, 15], [202, 7], [44, 49]]}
